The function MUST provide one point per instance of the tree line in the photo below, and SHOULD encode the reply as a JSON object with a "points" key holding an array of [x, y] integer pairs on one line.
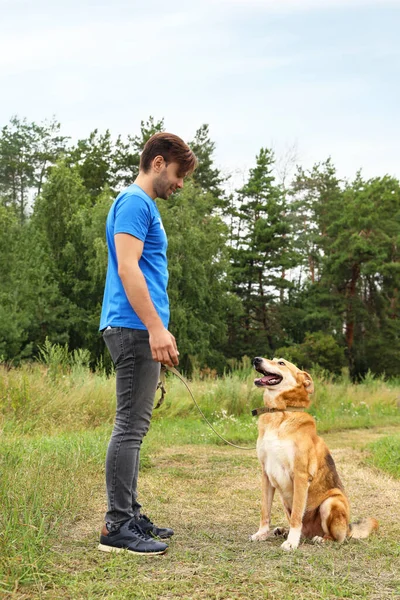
{"points": [[307, 269]]}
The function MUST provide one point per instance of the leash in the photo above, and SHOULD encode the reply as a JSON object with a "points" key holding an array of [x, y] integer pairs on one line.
{"points": [[255, 412], [162, 387]]}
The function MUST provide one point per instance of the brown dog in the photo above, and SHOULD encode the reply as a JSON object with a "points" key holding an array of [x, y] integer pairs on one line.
{"points": [[297, 463]]}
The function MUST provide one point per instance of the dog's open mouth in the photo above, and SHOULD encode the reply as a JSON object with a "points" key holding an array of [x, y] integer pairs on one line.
{"points": [[268, 379]]}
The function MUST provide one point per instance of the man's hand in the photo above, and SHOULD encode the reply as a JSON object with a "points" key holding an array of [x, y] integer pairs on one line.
{"points": [[163, 347]]}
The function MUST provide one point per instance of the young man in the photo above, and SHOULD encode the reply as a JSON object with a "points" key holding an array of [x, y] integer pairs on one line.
{"points": [[134, 321]]}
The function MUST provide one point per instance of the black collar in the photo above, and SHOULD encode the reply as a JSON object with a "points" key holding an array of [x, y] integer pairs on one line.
{"points": [[264, 409]]}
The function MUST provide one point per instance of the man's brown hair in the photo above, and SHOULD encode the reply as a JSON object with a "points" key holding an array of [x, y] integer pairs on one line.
{"points": [[172, 149]]}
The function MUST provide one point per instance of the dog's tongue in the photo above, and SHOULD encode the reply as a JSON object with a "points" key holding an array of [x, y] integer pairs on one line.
{"points": [[268, 378]]}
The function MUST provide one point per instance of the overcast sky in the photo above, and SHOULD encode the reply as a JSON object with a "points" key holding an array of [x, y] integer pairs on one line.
{"points": [[320, 75]]}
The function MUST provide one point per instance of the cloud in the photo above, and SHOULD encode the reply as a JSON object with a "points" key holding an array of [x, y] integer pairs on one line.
{"points": [[303, 5], [90, 44], [328, 80]]}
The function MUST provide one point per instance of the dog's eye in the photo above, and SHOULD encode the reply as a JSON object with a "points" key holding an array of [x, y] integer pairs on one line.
{"points": [[280, 362]]}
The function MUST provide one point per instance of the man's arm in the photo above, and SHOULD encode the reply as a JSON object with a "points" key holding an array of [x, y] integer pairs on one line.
{"points": [[162, 343]]}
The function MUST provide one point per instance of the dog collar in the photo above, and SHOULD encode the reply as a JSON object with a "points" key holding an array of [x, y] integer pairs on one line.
{"points": [[264, 409]]}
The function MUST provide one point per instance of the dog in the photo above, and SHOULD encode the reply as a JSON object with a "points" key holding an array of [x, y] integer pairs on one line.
{"points": [[296, 462]]}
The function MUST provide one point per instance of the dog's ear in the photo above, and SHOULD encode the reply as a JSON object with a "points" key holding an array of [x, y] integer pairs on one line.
{"points": [[308, 382]]}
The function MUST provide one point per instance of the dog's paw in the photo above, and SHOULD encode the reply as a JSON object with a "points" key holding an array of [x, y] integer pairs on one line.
{"points": [[260, 536], [289, 546], [281, 532], [317, 539]]}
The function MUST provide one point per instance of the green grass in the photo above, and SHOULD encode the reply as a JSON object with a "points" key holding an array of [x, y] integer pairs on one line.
{"points": [[44, 481], [40, 487], [55, 426], [40, 399], [385, 454], [53, 490]]}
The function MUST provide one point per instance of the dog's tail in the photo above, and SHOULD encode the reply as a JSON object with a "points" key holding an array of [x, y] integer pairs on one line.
{"points": [[362, 529]]}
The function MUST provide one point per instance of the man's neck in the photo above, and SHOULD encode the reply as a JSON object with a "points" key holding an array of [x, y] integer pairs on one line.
{"points": [[145, 182]]}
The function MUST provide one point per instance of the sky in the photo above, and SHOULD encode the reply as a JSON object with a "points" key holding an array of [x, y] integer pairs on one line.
{"points": [[309, 78]]}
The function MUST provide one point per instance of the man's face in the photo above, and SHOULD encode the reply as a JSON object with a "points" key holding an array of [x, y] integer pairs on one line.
{"points": [[167, 180]]}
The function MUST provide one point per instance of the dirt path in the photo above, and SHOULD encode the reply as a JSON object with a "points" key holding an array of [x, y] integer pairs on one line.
{"points": [[371, 492], [210, 495]]}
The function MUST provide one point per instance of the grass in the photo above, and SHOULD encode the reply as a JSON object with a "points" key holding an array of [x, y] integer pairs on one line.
{"points": [[41, 487], [385, 454], [40, 399], [55, 427], [211, 496]]}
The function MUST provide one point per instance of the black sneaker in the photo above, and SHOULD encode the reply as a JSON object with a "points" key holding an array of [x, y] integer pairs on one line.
{"points": [[132, 538], [149, 528]]}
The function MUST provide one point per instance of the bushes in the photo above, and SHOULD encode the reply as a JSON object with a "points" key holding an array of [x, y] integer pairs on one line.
{"points": [[318, 349]]}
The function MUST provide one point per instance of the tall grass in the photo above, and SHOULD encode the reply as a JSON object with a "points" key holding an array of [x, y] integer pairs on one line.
{"points": [[46, 482], [56, 417], [43, 481], [47, 398], [37, 398], [385, 454]]}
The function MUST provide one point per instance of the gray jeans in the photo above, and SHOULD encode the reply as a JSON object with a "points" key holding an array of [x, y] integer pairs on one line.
{"points": [[137, 377]]}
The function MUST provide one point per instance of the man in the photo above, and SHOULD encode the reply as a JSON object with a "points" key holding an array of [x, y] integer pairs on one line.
{"points": [[134, 321]]}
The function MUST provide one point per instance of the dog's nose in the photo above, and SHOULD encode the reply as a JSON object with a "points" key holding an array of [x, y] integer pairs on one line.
{"points": [[257, 361]]}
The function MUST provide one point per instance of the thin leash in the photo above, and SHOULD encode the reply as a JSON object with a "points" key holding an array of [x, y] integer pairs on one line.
{"points": [[255, 412]]}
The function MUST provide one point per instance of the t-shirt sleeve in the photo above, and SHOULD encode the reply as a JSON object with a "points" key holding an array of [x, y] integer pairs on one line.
{"points": [[133, 216]]}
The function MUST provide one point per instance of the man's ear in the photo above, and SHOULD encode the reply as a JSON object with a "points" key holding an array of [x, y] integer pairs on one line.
{"points": [[158, 163], [308, 382]]}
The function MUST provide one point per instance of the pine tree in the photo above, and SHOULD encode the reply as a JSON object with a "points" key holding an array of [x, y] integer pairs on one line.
{"points": [[206, 175], [199, 285], [27, 151], [261, 254]]}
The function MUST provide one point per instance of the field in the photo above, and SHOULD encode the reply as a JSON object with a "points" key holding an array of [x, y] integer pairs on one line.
{"points": [[55, 426]]}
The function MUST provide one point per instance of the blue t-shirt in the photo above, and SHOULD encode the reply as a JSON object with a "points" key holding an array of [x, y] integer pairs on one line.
{"points": [[135, 213]]}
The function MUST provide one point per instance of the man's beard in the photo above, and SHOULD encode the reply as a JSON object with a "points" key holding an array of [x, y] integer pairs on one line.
{"points": [[162, 188]]}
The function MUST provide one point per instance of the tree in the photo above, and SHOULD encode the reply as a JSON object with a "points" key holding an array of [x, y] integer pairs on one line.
{"points": [[93, 160], [95, 256], [363, 266], [105, 163], [27, 151], [352, 243], [58, 217], [317, 202], [261, 255], [127, 155], [199, 285], [206, 176], [318, 349], [313, 304], [31, 306]]}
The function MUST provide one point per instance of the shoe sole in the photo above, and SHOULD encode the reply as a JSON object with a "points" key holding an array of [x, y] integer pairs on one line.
{"points": [[105, 548]]}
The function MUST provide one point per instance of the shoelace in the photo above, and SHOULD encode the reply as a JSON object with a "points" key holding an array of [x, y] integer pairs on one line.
{"points": [[133, 526]]}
